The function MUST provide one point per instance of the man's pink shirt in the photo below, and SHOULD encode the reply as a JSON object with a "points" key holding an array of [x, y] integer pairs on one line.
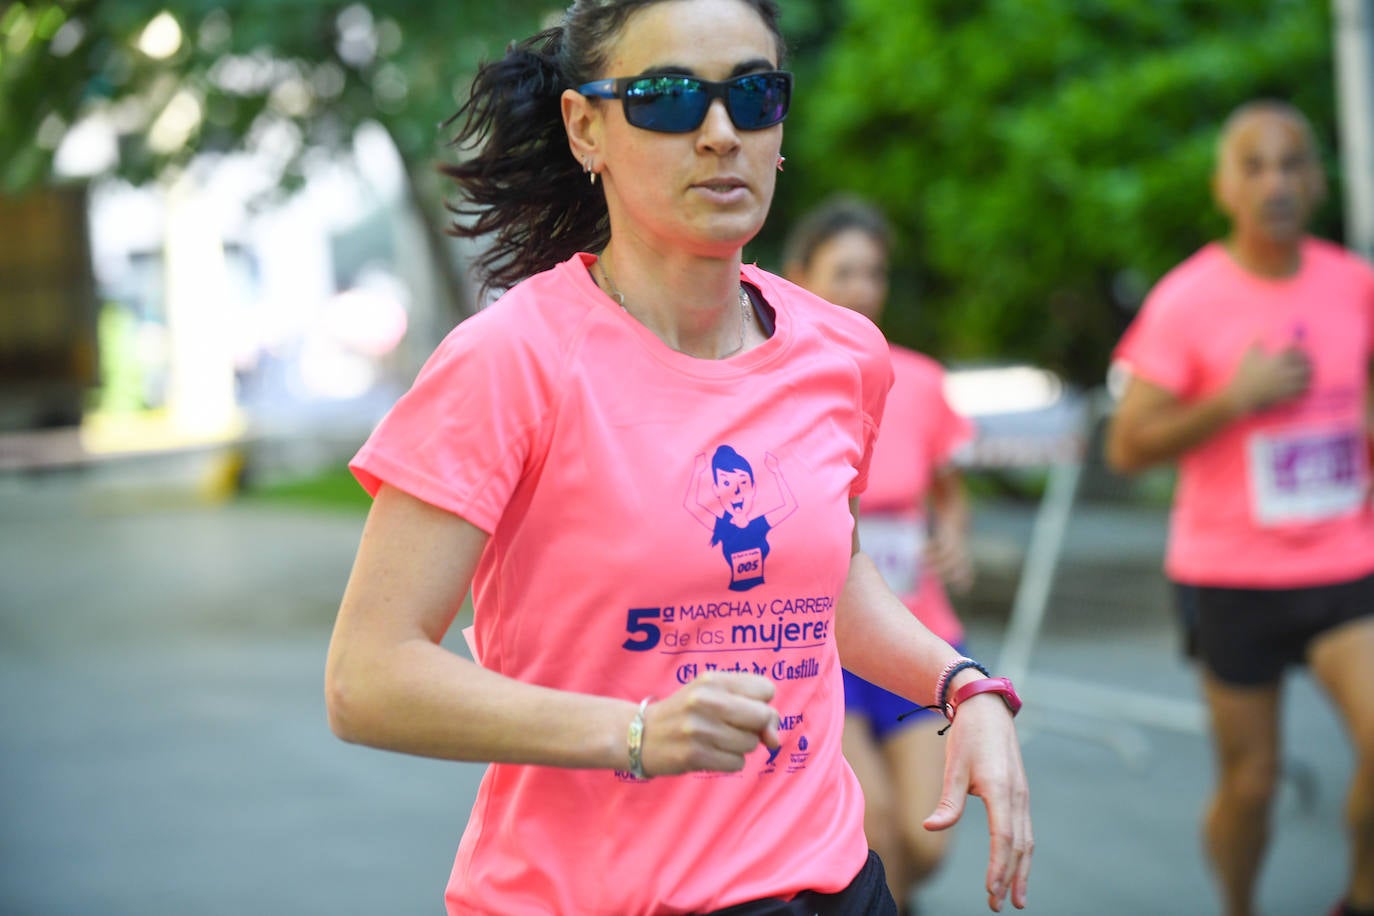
{"points": [[622, 563], [1280, 498]]}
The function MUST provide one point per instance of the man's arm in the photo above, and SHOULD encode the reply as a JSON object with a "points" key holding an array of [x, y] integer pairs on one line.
{"points": [[1151, 425]]}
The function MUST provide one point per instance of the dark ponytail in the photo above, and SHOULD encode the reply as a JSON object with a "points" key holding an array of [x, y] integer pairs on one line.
{"points": [[522, 188]]}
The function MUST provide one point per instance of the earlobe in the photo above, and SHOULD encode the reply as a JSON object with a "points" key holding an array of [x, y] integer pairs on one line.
{"points": [[579, 121]]}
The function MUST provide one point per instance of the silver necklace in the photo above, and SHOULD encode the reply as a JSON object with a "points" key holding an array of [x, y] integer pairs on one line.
{"points": [[744, 308]]}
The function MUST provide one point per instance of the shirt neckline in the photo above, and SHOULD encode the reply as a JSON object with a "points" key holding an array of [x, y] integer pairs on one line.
{"points": [[1261, 281], [579, 274]]}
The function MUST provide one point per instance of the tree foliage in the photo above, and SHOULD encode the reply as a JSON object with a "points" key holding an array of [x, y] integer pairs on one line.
{"points": [[289, 80], [1044, 161], [291, 76]]}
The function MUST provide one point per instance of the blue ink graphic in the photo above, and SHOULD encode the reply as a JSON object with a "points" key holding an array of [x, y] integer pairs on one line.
{"points": [[742, 536], [773, 755]]}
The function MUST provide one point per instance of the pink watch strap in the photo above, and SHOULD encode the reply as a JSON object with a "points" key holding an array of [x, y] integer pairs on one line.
{"points": [[1000, 685]]}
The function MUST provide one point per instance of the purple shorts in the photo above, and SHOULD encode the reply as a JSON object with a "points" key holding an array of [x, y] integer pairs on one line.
{"points": [[882, 707]]}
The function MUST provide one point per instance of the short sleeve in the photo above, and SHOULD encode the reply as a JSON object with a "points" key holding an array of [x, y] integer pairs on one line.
{"points": [[461, 437], [876, 377], [1155, 348]]}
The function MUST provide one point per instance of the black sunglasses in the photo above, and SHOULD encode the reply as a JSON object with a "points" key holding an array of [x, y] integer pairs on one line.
{"points": [[674, 104]]}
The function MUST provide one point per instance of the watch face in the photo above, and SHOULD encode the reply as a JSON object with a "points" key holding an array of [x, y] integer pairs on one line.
{"points": [[1012, 697]]}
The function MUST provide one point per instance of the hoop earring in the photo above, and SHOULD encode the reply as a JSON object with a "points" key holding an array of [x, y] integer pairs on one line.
{"points": [[781, 160]]}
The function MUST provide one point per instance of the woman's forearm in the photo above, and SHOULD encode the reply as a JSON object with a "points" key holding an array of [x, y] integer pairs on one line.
{"points": [[881, 641], [417, 697]]}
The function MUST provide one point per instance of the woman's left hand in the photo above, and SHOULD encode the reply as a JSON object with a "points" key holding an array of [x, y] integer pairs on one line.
{"points": [[983, 758]]}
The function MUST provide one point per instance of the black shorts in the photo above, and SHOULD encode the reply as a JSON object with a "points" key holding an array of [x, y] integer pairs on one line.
{"points": [[866, 895], [1247, 636]]}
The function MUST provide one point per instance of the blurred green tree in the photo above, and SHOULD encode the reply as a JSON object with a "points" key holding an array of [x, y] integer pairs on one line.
{"points": [[1044, 161], [175, 78]]}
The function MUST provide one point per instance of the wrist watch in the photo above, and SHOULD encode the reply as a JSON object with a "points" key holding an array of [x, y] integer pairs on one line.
{"points": [[999, 685]]}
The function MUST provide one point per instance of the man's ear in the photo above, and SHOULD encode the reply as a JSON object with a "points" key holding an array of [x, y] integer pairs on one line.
{"points": [[1219, 192], [582, 121], [1317, 186]]}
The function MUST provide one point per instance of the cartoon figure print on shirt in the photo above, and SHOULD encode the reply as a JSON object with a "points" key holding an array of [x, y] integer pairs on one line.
{"points": [[727, 512]]}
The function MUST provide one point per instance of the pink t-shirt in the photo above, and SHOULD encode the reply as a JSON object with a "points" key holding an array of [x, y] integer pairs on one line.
{"points": [[919, 433], [653, 516], [1279, 498]]}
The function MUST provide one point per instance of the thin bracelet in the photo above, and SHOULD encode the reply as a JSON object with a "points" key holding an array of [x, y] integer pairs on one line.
{"points": [[635, 740], [947, 676]]}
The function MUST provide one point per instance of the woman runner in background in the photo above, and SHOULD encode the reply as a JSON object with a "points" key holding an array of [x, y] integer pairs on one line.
{"points": [[840, 252]]}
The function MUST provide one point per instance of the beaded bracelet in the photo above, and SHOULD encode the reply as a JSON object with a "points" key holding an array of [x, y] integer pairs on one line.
{"points": [[635, 740]]}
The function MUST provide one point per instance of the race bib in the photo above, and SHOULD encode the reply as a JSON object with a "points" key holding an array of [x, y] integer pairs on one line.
{"points": [[1306, 477], [746, 566], [896, 545]]}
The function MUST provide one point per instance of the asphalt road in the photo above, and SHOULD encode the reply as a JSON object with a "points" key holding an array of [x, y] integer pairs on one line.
{"points": [[164, 751]]}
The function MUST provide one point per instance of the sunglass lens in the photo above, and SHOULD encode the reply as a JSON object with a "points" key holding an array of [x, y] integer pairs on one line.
{"points": [[759, 101], [671, 104]]}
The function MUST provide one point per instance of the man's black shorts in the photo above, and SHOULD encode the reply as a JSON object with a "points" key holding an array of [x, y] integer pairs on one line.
{"points": [[1247, 636]]}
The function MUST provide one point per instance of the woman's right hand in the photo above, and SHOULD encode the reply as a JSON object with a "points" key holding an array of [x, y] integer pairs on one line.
{"points": [[711, 723]]}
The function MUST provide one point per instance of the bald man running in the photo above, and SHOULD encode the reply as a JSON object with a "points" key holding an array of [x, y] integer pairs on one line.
{"points": [[1249, 364]]}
